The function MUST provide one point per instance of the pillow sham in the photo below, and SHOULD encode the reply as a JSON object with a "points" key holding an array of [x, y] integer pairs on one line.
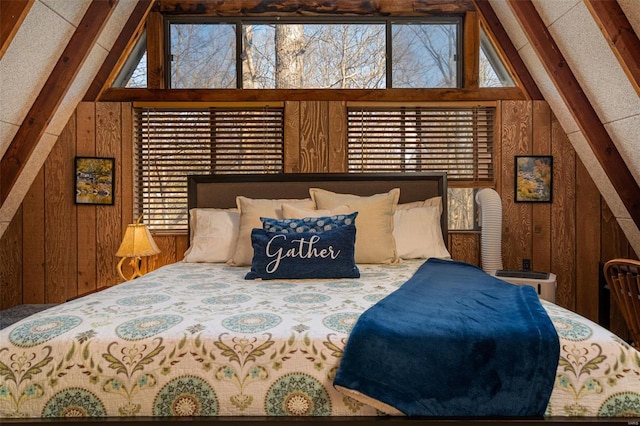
{"points": [[213, 235], [418, 233], [290, 211], [429, 202], [251, 209], [375, 242], [305, 255], [308, 224]]}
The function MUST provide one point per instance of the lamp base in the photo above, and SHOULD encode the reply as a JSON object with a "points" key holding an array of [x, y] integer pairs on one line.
{"points": [[135, 263]]}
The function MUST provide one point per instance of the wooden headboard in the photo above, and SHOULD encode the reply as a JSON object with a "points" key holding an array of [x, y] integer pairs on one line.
{"points": [[220, 191]]}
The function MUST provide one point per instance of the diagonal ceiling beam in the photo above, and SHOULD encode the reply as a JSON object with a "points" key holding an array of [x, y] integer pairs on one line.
{"points": [[120, 51], [579, 105], [620, 35], [52, 94], [493, 24], [12, 13]]}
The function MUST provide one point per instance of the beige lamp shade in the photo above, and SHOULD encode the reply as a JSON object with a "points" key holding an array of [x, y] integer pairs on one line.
{"points": [[137, 242]]}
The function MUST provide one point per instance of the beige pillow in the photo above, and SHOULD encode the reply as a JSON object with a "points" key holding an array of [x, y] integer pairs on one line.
{"points": [[251, 210], [290, 211], [214, 233], [418, 233], [374, 225]]}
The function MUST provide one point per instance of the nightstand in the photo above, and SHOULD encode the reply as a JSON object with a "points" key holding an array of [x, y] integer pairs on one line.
{"points": [[546, 288]]}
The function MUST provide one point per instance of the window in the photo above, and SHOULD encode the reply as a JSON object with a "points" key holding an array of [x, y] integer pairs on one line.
{"points": [[425, 55], [134, 70], [203, 56], [291, 54], [456, 140], [173, 143], [493, 72]]}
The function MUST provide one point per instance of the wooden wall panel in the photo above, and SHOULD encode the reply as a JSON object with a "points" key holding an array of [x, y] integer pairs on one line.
{"points": [[33, 254], [125, 185], [10, 265], [314, 137], [60, 219], [108, 220], [86, 213], [515, 140], [337, 137], [465, 247], [292, 137], [168, 252], [541, 212], [587, 248], [563, 226]]}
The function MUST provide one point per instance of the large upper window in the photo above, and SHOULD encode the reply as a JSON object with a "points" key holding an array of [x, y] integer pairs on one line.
{"points": [[173, 143], [333, 55]]}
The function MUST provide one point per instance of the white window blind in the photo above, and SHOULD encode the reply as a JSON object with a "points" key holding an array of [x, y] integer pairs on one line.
{"points": [[456, 140], [173, 143]]}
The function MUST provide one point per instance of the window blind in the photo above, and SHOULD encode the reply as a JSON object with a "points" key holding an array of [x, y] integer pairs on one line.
{"points": [[171, 144], [456, 140]]}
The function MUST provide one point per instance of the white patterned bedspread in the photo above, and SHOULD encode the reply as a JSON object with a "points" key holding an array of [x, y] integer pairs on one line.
{"points": [[198, 339]]}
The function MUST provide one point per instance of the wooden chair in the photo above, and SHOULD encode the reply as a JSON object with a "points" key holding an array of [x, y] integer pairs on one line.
{"points": [[623, 278]]}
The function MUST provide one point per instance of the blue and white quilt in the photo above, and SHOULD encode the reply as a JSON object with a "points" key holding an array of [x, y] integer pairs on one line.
{"points": [[200, 340]]}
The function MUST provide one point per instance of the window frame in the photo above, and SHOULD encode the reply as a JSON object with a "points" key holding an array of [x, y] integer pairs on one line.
{"points": [[388, 22]]}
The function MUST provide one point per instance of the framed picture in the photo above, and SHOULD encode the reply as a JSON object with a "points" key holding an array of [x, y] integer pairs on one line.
{"points": [[534, 178], [95, 180]]}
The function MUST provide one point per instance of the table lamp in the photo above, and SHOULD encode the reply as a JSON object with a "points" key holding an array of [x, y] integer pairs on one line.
{"points": [[136, 243]]}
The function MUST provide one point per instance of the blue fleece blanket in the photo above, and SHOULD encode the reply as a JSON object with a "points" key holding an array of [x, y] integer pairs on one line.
{"points": [[453, 341]]}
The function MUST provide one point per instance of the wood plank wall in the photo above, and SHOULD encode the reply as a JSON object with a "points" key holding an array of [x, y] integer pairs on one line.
{"points": [[54, 249]]}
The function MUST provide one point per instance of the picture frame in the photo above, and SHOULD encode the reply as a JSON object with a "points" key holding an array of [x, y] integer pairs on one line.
{"points": [[94, 180], [533, 179]]}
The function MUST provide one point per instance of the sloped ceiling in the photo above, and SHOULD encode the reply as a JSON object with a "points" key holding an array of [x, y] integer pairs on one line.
{"points": [[602, 79], [50, 24], [25, 67]]}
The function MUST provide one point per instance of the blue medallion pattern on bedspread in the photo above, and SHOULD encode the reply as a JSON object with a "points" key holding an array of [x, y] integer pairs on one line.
{"points": [[197, 339], [454, 341]]}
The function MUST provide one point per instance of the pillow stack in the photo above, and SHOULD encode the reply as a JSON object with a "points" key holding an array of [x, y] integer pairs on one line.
{"points": [[323, 236]]}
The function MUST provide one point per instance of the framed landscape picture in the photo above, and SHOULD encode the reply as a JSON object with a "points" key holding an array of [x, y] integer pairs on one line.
{"points": [[534, 178], [94, 180]]}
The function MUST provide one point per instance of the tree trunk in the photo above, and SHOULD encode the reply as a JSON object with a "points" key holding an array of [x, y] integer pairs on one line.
{"points": [[289, 61]]}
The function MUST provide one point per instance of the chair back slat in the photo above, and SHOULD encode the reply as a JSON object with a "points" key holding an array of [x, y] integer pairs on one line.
{"points": [[623, 278]]}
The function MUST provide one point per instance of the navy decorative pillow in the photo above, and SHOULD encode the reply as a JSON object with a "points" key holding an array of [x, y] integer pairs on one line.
{"points": [[327, 254], [308, 224]]}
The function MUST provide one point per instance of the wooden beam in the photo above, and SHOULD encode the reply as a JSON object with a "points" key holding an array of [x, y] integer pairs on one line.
{"points": [[12, 13], [471, 50], [503, 43], [288, 8], [620, 35], [120, 51], [155, 51], [283, 95], [51, 95], [583, 112]]}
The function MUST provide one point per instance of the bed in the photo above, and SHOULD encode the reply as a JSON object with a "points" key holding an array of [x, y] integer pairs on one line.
{"points": [[196, 341]]}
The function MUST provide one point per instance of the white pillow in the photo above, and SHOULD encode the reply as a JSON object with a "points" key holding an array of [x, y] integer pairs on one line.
{"points": [[374, 225], [290, 211], [418, 233], [214, 233], [251, 210], [429, 202]]}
